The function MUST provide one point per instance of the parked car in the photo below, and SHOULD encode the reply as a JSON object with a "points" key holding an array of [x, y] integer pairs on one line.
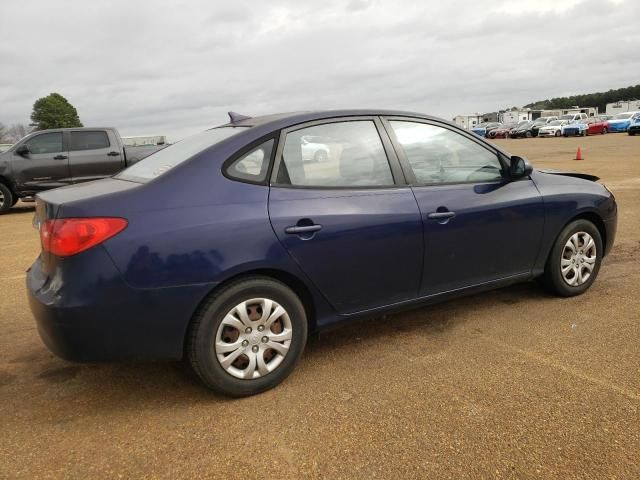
{"points": [[622, 121], [553, 129], [523, 130], [579, 128], [314, 150], [634, 126], [605, 117], [574, 117], [597, 125], [483, 129], [540, 122], [53, 158], [503, 131], [191, 252]]}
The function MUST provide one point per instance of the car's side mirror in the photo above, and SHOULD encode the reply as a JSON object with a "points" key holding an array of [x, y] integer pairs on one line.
{"points": [[23, 150], [520, 167]]}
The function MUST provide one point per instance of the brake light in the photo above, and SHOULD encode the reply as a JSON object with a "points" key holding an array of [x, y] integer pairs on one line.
{"points": [[67, 236]]}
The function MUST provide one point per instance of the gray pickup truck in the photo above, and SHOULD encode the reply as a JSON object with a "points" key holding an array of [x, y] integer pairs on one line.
{"points": [[49, 159]]}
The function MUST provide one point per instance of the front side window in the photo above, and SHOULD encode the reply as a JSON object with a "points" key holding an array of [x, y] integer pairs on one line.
{"points": [[89, 140], [439, 155], [341, 154], [164, 160], [46, 143], [253, 165]]}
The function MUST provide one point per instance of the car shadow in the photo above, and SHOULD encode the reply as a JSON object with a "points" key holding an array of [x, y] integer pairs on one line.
{"points": [[21, 208], [145, 385]]}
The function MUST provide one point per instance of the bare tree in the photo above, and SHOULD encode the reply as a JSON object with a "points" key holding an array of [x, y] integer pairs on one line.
{"points": [[13, 133]]}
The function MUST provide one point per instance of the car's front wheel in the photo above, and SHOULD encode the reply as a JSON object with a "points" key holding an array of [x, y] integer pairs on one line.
{"points": [[575, 259], [248, 337], [557, 134]]}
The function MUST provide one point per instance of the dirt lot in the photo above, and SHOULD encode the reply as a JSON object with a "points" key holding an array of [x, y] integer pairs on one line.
{"points": [[509, 384]]}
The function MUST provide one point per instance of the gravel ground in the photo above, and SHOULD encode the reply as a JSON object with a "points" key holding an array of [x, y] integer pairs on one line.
{"points": [[508, 384]]}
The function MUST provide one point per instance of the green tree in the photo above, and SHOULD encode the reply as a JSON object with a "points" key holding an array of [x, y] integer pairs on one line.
{"points": [[54, 111]]}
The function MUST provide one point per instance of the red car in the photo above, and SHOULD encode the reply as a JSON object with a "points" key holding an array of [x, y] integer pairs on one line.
{"points": [[597, 125], [501, 132]]}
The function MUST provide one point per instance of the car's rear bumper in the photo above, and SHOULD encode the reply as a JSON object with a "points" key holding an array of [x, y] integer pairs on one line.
{"points": [[85, 312]]}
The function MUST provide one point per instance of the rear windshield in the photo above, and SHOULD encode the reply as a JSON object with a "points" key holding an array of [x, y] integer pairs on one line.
{"points": [[164, 160]]}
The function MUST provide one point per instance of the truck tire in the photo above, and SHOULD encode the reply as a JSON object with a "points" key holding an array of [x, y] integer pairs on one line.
{"points": [[6, 198]]}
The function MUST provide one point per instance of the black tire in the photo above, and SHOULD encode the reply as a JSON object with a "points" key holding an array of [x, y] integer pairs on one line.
{"points": [[584, 134], [203, 330], [553, 278], [557, 134], [529, 134], [320, 156], [7, 199], [604, 130], [631, 133]]}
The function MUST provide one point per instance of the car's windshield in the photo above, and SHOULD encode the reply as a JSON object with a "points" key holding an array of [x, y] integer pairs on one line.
{"points": [[567, 117], [164, 160], [623, 116], [556, 122]]}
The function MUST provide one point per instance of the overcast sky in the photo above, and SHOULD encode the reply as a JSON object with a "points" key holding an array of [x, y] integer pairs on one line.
{"points": [[177, 67]]}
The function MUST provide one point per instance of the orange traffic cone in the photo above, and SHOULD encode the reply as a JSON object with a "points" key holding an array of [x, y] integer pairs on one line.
{"points": [[579, 155]]}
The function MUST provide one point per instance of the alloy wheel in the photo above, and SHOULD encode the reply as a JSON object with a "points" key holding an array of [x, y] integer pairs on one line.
{"points": [[253, 338], [578, 259]]}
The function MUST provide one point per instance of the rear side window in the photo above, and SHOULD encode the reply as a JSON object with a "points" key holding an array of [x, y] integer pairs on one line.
{"points": [[252, 166], [89, 140], [164, 160], [341, 154], [46, 143]]}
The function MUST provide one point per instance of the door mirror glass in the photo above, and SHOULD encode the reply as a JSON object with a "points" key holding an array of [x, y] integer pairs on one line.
{"points": [[520, 167], [22, 150]]}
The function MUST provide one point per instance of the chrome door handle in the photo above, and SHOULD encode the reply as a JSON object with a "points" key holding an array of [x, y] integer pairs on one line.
{"points": [[441, 215], [60, 157], [303, 229]]}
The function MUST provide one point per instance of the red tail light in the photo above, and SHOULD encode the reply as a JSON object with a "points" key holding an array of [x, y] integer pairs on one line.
{"points": [[67, 236]]}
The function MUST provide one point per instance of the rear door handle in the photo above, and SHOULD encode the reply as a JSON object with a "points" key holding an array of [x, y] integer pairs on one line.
{"points": [[297, 230], [60, 157], [441, 215], [113, 154]]}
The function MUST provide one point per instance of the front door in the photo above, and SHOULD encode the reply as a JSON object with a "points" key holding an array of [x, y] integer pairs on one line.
{"points": [[44, 166], [479, 226], [345, 216]]}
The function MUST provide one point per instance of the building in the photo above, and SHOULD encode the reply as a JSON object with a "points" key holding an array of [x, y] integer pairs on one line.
{"points": [[144, 140], [491, 117], [468, 121], [623, 106], [516, 116]]}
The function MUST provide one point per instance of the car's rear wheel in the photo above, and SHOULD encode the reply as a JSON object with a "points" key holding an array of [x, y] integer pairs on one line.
{"points": [[6, 198], [575, 259], [248, 337], [557, 134], [529, 135]]}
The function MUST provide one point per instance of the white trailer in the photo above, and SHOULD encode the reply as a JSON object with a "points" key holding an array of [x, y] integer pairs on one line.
{"points": [[622, 106], [468, 121], [142, 140]]}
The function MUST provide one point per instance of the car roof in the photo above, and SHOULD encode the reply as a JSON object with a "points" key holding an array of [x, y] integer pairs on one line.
{"points": [[283, 120]]}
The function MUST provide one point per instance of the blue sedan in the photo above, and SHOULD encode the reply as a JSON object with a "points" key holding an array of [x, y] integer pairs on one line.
{"points": [[230, 249]]}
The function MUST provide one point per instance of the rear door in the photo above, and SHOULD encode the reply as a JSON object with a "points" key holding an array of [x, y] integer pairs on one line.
{"points": [[479, 226], [349, 221], [45, 166], [93, 155]]}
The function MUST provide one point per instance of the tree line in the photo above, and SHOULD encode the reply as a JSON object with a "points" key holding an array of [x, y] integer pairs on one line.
{"points": [[52, 111], [599, 99]]}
